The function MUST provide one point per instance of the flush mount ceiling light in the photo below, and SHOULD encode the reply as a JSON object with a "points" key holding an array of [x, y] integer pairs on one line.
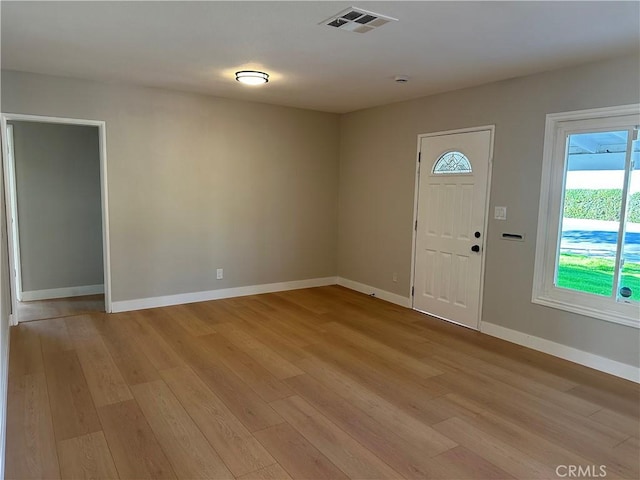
{"points": [[252, 77]]}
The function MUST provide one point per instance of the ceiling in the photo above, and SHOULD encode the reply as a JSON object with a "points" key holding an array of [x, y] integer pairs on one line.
{"points": [[197, 46]]}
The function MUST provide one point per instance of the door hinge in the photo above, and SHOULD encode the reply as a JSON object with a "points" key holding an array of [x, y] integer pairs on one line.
{"points": [[413, 289], [415, 227], [419, 157]]}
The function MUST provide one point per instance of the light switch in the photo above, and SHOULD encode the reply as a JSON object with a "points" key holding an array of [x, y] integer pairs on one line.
{"points": [[500, 213]]}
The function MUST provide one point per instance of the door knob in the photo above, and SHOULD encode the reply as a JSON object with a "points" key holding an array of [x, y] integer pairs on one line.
{"points": [[475, 248]]}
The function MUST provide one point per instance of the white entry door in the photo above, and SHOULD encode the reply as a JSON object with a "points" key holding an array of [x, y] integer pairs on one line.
{"points": [[450, 225]]}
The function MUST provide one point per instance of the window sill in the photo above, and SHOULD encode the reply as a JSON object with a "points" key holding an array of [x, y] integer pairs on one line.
{"points": [[628, 314]]}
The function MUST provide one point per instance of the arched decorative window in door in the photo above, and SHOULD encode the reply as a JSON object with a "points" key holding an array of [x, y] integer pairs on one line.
{"points": [[452, 163]]}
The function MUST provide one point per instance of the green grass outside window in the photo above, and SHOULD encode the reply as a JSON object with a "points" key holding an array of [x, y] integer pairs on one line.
{"points": [[595, 275]]}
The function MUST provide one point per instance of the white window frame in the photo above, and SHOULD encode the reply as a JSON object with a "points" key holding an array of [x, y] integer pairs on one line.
{"points": [[558, 126]]}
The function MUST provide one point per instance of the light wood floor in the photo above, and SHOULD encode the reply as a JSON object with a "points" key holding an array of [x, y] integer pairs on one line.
{"points": [[321, 383], [60, 307]]}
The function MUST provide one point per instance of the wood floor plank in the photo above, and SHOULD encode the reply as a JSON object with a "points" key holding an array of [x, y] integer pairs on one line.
{"points": [[187, 449], [226, 310], [286, 330], [541, 416], [463, 362], [103, 377], [632, 444], [72, 408], [405, 390], [576, 374], [30, 447], [156, 349], [272, 472], [624, 423], [265, 356], [307, 299], [136, 452], [245, 404], [60, 307], [297, 456], [211, 313], [461, 463], [430, 442], [624, 404], [105, 381], [251, 302], [401, 454], [53, 335], [131, 361], [308, 322], [401, 337], [620, 461], [498, 356], [240, 451], [297, 335], [627, 452], [388, 354], [189, 320], [86, 457], [546, 449], [25, 353], [501, 454], [246, 368], [343, 451], [253, 323], [82, 331], [446, 407]]}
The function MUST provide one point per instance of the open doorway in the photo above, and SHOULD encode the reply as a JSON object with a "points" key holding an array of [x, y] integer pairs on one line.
{"points": [[55, 177]]}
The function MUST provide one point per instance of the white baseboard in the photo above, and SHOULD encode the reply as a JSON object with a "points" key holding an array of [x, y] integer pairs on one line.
{"points": [[62, 292], [587, 359], [383, 294], [164, 301]]}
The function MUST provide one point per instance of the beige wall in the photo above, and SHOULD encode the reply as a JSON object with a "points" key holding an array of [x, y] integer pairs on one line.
{"points": [[59, 208], [377, 172], [197, 183]]}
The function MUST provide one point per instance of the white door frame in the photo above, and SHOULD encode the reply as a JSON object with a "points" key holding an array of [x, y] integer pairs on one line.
{"points": [[10, 199], [492, 130], [13, 228]]}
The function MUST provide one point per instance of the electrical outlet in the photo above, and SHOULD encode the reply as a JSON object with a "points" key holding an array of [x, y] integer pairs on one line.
{"points": [[395, 276], [219, 274]]}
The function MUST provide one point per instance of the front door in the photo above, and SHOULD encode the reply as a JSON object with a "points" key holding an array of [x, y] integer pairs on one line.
{"points": [[452, 192]]}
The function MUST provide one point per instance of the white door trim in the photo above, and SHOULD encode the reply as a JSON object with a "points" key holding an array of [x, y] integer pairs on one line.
{"points": [[492, 130], [10, 197], [13, 228]]}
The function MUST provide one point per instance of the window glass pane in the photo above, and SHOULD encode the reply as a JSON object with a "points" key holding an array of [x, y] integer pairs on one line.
{"points": [[591, 215], [452, 162], [629, 288]]}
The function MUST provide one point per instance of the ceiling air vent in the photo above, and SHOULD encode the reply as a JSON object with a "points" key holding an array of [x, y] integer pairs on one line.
{"points": [[357, 20]]}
